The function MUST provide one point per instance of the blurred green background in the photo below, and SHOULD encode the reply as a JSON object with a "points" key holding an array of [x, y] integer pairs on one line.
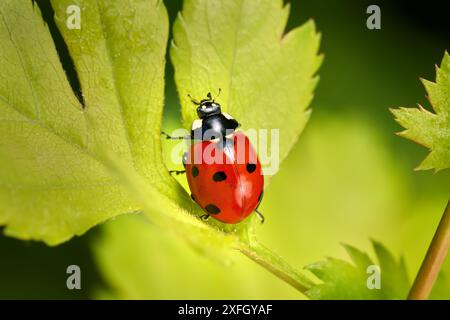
{"points": [[349, 178]]}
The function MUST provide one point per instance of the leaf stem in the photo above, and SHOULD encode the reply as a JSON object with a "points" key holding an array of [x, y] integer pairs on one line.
{"points": [[276, 265], [433, 260]]}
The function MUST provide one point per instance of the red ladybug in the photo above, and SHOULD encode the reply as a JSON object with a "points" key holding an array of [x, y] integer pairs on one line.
{"points": [[222, 167]]}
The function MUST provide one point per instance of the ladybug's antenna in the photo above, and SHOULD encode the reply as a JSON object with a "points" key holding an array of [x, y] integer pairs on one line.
{"points": [[218, 93], [210, 97], [193, 100]]}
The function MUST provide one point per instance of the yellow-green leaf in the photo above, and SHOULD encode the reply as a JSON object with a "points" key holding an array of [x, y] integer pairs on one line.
{"points": [[54, 183], [69, 166], [431, 129], [266, 75], [342, 280]]}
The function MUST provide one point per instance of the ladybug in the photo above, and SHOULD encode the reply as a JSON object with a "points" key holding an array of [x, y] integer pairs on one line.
{"points": [[222, 168]]}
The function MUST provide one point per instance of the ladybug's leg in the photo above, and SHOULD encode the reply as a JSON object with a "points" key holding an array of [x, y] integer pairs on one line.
{"points": [[260, 216], [205, 217], [177, 172], [169, 137]]}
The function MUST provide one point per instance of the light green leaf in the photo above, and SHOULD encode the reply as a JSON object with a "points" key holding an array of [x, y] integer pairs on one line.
{"points": [[173, 216], [266, 75], [206, 238], [54, 183], [148, 263], [342, 280], [68, 166], [429, 129]]}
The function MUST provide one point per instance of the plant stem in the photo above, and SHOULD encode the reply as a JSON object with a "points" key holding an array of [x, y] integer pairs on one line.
{"points": [[433, 260], [277, 266]]}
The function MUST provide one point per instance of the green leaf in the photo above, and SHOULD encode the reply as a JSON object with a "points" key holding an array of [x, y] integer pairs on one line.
{"points": [[431, 129], [342, 280], [55, 183], [148, 263], [266, 75], [173, 216], [70, 166], [206, 238]]}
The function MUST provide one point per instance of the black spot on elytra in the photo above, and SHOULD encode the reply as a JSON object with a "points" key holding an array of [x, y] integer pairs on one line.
{"points": [[194, 171], [251, 167], [219, 176], [212, 209]]}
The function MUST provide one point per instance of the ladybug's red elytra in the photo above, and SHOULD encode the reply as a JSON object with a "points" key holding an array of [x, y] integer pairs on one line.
{"points": [[229, 189]]}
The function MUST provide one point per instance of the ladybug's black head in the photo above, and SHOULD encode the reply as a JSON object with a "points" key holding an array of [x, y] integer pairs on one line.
{"points": [[207, 107]]}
